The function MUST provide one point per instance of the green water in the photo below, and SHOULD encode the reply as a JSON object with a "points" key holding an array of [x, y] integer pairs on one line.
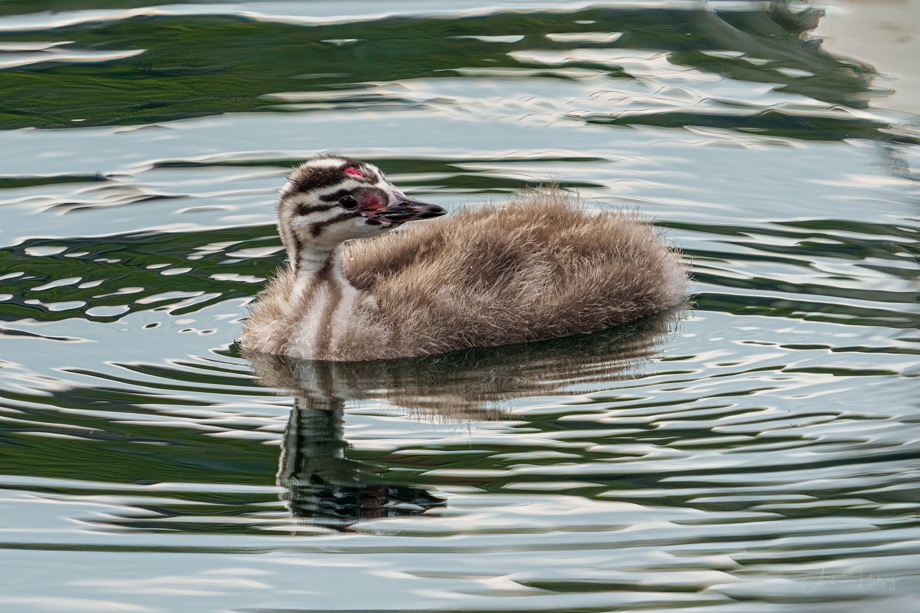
{"points": [[756, 450]]}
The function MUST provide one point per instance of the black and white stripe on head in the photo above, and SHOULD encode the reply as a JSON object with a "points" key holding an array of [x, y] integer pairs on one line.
{"points": [[325, 192], [319, 175]]}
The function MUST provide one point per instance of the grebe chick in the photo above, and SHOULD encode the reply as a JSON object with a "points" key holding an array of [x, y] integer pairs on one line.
{"points": [[538, 268]]}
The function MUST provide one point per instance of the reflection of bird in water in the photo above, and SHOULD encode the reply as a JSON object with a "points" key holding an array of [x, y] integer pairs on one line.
{"points": [[469, 383], [536, 269], [324, 485]]}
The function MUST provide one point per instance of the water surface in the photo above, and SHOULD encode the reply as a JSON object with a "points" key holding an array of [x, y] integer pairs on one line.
{"points": [[755, 451]]}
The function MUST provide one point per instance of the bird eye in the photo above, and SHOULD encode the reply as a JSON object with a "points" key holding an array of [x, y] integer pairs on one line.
{"points": [[348, 202]]}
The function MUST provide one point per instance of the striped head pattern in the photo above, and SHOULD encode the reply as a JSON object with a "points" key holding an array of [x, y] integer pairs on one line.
{"points": [[331, 199]]}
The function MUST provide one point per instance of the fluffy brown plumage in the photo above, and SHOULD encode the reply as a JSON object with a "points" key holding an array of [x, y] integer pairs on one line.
{"points": [[538, 268]]}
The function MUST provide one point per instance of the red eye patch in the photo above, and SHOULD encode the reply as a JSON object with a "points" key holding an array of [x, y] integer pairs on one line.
{"points": [[370, 203], [354, 171]]}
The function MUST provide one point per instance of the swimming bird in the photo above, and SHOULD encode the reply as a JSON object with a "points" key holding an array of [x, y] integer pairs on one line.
{"points": [[538, 268]]}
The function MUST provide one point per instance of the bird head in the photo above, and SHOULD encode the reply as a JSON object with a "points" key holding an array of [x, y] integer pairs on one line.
{"points": [[328, 200]]}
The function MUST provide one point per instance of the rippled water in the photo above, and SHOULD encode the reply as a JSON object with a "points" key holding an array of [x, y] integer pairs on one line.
{"points": [[758, 450]]}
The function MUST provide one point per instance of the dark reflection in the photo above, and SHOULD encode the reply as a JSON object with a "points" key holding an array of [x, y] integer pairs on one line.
{"points": [[323, 485], [225, 60]]}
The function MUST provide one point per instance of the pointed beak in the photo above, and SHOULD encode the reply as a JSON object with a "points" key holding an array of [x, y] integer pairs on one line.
{"points": [[410, 210]]}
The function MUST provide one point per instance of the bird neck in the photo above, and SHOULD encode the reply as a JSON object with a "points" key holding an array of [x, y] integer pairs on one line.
{"points": [[319, 264], [321, 295]]}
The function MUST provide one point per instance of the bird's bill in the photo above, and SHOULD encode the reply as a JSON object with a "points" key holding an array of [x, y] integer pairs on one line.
{"points": [[410, 210]]}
